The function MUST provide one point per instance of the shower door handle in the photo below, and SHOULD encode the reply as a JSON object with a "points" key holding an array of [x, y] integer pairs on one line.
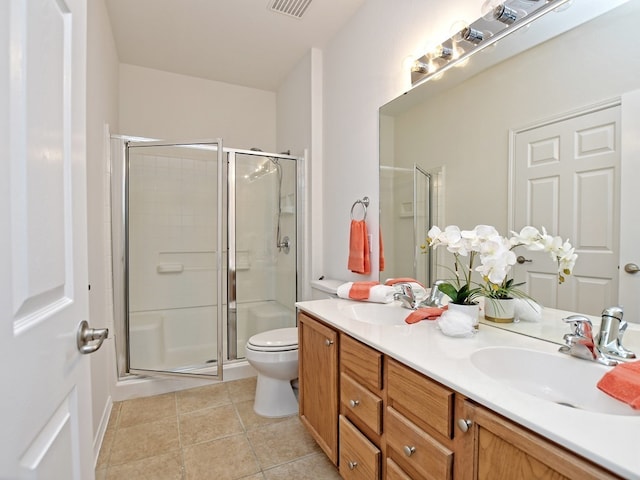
{"points": [[86, 335]]}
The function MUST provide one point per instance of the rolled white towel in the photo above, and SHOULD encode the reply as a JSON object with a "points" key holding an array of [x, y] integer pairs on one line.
{"points": [[377, 294]]}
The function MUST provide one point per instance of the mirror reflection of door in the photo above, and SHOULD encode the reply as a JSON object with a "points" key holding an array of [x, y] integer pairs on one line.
{"points": [[567, 179]]}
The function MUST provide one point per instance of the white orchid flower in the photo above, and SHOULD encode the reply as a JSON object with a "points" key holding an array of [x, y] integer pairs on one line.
{"points": [[528, 236]]}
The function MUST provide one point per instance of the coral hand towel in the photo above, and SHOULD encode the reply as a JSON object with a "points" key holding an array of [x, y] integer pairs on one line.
{"points": [[393, 281], [427, 313], [622, 382], [359, 260]]}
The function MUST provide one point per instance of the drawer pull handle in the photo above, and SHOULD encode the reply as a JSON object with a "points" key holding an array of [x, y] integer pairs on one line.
{"points": [[328, 342], [464, 424], [353, 465], [354, 403], [409, 450]]}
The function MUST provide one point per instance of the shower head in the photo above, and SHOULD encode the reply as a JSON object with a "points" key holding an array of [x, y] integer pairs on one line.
{"points": [[264, 168]]}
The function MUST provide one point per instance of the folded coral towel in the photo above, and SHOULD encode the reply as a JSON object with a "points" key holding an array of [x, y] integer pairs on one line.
{"points": [[361, 290], [419, 292], [375, 293], [427, 313], [359, 258], [622, 382], [393, 281]]}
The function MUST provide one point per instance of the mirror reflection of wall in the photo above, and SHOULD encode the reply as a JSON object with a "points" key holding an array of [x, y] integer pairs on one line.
{"points": [[466, 128]]}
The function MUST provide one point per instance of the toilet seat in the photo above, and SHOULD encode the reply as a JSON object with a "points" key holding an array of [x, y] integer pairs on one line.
{"points": [[279, 340]]}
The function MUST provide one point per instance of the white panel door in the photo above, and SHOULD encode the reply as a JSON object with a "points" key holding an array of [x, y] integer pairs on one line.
{"points": [[45, 402], [567, 179], [629, 292]]}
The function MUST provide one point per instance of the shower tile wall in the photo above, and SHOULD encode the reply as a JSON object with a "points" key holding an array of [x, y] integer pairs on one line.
{"points": [[172, 231]]}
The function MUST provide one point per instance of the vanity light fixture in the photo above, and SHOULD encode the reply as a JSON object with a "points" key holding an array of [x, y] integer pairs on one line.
{"points": [[504, 14], [472, 35], [500, 19]]}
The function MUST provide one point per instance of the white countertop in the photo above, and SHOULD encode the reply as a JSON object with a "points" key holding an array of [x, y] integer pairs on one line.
{"points": [[612, 441]]}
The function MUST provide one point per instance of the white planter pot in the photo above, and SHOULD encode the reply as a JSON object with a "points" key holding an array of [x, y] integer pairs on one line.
{"points": [[471, 310], [499, 310]]}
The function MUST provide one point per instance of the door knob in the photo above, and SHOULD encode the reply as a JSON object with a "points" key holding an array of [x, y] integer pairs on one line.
{"points": [[520, 259], [86, 335], [631, 268]]}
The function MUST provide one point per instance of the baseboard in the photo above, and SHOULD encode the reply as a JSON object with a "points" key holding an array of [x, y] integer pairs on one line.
{"points": [[102, 429]]}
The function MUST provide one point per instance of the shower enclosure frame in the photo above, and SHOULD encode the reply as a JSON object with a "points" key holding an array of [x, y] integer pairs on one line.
{"points": [[226, 221]]}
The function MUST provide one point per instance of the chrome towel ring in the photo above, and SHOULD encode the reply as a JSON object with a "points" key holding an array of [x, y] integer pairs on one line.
{"points": [[365, 203]]}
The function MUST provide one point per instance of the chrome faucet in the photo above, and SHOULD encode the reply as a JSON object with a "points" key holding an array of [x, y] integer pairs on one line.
{"points": [[581, 343], [406, 296], [435, 295], [612, 329]]}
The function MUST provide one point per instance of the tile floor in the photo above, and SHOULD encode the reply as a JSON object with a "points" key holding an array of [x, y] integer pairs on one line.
{"points": [[208, 433]]}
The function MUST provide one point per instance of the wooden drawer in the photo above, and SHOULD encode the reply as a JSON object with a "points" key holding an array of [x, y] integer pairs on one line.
{"points": [[359, 405], [359, 458], [415, 451], [425, 402], [394, 472], [362, 362]]}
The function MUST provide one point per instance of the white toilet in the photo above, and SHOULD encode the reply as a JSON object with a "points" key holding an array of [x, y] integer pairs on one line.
{"points": [[274, 354]]}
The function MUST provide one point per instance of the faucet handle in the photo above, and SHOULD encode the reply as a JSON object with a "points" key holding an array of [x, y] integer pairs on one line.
{"points": [[582, 326]]}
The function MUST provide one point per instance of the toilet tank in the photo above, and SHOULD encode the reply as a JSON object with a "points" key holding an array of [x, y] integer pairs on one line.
{"points": [[325, 288]]}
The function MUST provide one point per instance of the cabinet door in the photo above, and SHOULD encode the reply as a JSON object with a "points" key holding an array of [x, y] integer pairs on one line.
{"points": [[503, 449], [359, 458], [318, 379]]}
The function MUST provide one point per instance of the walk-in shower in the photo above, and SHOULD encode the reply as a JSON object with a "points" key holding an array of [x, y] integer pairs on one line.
{"points": [[205, 252]]}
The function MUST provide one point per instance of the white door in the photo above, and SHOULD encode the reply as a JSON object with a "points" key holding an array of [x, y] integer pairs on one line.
{"points": [[45, 402], [629, 293], [567, 179]]}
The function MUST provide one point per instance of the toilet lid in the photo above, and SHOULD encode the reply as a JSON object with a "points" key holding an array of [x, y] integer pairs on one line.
{"points": [[275, 340]]}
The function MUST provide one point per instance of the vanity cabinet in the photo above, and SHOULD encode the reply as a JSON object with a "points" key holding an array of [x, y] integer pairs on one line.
{"points": [[318, 380], [503, 449], [376, 419]]}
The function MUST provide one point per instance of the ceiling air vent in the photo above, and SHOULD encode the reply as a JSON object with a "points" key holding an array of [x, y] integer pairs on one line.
{"points": [[293, 8]]}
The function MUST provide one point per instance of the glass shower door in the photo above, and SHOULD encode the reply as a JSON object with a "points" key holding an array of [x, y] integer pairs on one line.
{"points": [[174, 277], [262, 273]]}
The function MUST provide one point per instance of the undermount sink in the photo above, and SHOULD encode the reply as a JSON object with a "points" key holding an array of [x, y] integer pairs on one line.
{"points": [[557, 378], [375, 313]]}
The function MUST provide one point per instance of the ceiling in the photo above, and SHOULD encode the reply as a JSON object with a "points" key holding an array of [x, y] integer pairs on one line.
{"points": [[242, 42]]}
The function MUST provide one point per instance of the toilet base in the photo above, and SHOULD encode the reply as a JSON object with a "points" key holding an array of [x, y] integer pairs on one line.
{"points": [[274, 398]]}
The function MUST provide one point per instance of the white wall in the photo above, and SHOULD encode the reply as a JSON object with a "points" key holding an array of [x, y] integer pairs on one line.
{"points": [[102, 103], [362, 71], [299, 129], [165, 105]]}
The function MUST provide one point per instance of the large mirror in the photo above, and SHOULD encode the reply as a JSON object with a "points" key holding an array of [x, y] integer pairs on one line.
{"points": [[468, 132]]}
